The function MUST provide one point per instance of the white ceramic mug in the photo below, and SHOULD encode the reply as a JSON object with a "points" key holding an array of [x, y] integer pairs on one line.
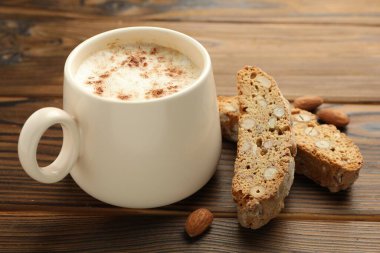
{"points": [[131, 154]]}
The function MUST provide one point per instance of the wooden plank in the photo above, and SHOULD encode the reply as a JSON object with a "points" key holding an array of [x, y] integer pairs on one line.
{"points": [[25, 233], [306, 200], [264, 11], [305, 59], [313, 47]]}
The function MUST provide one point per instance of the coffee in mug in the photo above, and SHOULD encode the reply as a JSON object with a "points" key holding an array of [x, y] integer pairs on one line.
{"points": [[138, 71]]}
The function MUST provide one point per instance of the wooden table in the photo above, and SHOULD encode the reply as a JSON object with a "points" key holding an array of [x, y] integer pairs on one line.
{"points": [[328, 48]]}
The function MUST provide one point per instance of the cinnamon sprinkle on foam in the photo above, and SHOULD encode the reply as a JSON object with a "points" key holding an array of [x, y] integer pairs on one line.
{"points": [[140, 75]]}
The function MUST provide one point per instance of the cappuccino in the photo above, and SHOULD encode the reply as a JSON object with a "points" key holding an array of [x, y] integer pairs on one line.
{"points": [[136, 72]]}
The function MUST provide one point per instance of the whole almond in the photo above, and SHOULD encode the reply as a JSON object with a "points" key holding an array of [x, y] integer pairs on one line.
{"points": [[198, 221], [333, 116], [308, 103]]}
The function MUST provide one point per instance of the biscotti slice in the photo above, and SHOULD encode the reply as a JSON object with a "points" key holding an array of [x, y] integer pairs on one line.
{"points": [[264, 166], [336, 170], [325, 155], [229, 117]]}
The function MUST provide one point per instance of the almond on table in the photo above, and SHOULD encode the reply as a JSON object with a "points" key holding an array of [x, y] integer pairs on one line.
{"points": [[334, 117], [308, 103], [198, 221]]}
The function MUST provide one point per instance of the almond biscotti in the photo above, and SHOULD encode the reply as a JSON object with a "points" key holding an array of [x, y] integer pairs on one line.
{"points": [[264, 167], [324, 154], [229, 117]]}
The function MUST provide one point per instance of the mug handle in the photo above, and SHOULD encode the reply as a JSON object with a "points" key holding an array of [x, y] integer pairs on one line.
{"points": [[30, 136]]}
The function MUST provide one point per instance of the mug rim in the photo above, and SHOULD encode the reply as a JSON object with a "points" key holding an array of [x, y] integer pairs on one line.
{"points": [[201, 79]]}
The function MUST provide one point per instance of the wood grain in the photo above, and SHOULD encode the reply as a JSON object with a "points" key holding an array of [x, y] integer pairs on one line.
{"points": [[264, 11], [306, 200], [304, 58], [326, 48], [18, 233]]}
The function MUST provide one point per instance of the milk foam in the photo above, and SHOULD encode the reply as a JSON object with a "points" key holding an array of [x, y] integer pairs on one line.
{"points": [[136, 72]]}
